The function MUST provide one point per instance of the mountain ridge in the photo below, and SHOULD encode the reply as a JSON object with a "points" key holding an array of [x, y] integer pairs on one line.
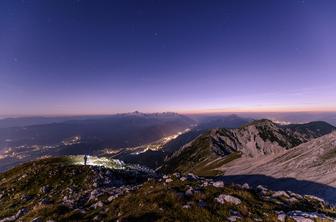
{"points": [[219, 146]]}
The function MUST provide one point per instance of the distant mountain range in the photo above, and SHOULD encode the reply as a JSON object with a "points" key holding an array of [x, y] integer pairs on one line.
{"points": [[39, 120], [294, 117], [121, 130]]}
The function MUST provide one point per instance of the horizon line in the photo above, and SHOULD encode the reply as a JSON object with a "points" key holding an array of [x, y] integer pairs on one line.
{"points": [[185, 112]]}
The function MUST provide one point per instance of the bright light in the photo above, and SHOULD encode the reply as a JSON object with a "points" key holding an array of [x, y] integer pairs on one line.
{"points": [[96, 161]]}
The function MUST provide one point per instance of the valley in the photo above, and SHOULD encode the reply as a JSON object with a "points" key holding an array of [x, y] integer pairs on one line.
{"points": [[90, 136], [220, 172], [154, 146]]}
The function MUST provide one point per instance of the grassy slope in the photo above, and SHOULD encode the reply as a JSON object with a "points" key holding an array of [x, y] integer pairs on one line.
{"points": [[198, 158], [157, 201], [27, 180], [154, 201]]}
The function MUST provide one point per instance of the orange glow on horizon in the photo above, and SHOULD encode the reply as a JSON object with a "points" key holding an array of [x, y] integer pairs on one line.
{"points": [[255, 109], [260, 110]]}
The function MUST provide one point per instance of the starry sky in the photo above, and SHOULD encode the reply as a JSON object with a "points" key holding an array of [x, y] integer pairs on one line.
{"points": [[66, 57]]}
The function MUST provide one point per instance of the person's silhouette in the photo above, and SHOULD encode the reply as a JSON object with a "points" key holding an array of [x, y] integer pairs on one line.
{"points": [[85, 160]]}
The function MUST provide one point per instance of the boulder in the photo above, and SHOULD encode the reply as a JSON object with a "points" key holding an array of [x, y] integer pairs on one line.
{"points": [[111, 198], [261, 188], [189, 192], [297, 196], [281, 216], [233, 218], [218, 184], [205, 184], [183, 178], [246, 186], [314, 198], [223, 198], [99, 204], [280, 194], [169, 180], [186, 206], [292, 200]]}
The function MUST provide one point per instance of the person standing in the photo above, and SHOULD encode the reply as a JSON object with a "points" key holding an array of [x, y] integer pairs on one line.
{"points": [[85, 160]]}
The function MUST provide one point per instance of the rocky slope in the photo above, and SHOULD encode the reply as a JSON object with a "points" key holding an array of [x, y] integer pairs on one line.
{"points": [[314, 161], [57, 190], [255, 140]]}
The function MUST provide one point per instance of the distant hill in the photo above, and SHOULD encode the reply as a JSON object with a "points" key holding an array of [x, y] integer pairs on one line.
{"points": [[221, 121], [312, 129]]}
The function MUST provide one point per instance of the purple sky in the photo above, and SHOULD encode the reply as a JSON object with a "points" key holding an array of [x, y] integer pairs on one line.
{"points": [[99, 57]]}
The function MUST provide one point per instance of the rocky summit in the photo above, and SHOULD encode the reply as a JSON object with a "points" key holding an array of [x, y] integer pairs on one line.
{"points": [[55, 189]]}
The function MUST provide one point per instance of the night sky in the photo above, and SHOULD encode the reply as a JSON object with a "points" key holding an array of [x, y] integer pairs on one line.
{"points": [[67, 57]]}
